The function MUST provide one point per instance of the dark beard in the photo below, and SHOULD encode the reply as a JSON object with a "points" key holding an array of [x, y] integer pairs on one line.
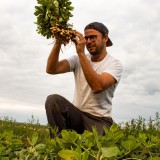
{"points": [[95, 52]]}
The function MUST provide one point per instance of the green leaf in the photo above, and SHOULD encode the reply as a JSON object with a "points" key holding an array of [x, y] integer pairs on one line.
{"points": [[71, 8], [60, 19], [36, 13], [88, 139], [40, 147], [110, 152], [39, 8], [34, 139], [69, 136], [78, 153], [142, 137], [96, 136], [130, 145], [85, 155], [78, 150], [114, 128], [16, 144], [68, 4], [66, 154]]}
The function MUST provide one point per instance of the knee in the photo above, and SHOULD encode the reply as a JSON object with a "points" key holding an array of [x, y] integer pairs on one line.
{"points": [[51, 100], [53, 97]]}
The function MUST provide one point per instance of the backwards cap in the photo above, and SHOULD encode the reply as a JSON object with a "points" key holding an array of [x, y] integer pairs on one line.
{"points": [[101, 28]]}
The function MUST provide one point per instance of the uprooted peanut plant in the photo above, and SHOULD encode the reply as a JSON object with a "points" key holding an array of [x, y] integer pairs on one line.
{"points": [[52, 19]]}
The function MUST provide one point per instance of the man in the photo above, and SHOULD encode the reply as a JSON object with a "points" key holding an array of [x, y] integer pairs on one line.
{"points": [[97, 75]]}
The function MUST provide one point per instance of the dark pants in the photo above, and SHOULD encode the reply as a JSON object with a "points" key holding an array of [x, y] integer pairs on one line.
{"points": [[62, 114]]}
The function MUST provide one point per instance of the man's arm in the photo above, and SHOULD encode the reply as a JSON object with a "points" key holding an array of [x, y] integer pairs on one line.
{"points": [[54, 66], [97, 82]]}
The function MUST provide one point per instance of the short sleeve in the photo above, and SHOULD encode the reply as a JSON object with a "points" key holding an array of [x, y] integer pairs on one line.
{"points": [[72, 62], [115, 69]]}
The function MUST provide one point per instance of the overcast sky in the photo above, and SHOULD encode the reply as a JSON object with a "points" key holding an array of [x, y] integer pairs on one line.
{"points": [[134, 27]]}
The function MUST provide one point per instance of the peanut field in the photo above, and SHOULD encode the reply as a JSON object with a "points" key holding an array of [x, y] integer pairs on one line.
{"points": [[137, 139]]}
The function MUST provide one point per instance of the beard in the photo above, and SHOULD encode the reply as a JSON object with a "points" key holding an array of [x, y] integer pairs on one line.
{"points": [[94, 50]]}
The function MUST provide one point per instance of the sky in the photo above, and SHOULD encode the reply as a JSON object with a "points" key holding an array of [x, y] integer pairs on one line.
{"points": [[134, 28]]}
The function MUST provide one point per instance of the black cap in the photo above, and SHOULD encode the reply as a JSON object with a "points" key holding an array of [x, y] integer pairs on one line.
{"points": [[101, 28]]}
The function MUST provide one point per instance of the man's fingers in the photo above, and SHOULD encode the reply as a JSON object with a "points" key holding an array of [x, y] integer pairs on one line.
{"points": [[74, 40], [79, 35]]}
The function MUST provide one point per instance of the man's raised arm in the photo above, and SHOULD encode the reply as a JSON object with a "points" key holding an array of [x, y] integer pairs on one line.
{"points": [[54, 66]]}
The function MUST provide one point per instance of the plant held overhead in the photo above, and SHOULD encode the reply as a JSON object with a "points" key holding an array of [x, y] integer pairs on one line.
{"points": [[52, 19]]}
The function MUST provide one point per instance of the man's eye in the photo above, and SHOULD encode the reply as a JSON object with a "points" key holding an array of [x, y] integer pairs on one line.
{"points": [[92, 37]]}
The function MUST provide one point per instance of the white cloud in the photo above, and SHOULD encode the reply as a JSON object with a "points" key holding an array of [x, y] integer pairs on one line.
{"points": [[21, 112]]}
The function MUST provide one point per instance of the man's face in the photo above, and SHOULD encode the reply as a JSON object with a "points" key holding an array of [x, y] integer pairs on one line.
{"points": [[95, 41]]}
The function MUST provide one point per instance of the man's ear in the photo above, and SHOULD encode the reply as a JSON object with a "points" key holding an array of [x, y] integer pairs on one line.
{"points": [[106, 37]]}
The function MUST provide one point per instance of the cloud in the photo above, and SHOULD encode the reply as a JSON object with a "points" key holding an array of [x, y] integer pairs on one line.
{"points": [[21, 112]]}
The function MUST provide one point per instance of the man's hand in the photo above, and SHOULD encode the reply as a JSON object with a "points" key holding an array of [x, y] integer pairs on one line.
{"points": [[61, 41], [80, 43]]}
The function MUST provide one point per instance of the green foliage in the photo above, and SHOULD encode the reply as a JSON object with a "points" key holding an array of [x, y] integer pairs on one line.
{"points": [[136, 140], [50, 13]]}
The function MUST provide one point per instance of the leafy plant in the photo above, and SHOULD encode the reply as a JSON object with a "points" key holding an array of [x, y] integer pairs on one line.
{"points": [[52, 19], [137, 140]]}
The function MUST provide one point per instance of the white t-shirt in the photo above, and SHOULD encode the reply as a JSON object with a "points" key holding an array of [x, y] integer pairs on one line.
{"points": [[99, 104]]}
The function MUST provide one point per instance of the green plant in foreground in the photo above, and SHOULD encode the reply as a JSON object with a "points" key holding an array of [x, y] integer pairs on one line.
{"points": [[123, 143]]}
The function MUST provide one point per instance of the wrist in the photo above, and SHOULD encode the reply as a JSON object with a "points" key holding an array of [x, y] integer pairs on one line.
{"points": [[82, 55], [58, 42]]}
